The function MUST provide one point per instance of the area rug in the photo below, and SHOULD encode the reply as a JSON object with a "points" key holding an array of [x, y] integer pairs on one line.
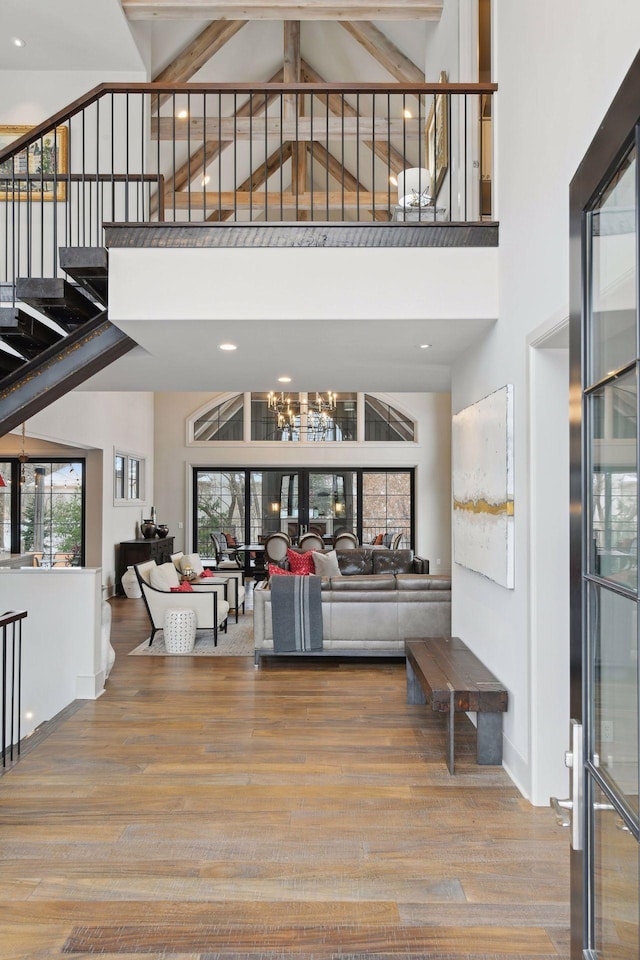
{"points": [[237, 642]]}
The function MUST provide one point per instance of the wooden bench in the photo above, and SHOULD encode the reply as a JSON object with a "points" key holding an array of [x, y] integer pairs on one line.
{"points": [[444, 672]]}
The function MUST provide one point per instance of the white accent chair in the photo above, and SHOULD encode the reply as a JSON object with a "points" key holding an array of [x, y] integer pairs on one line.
{"points": [[209, 602], [230, 572]]}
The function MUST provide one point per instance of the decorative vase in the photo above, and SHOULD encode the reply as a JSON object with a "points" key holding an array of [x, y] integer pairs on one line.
{"points": [[130, 584], [148, 529], [162, 530]]}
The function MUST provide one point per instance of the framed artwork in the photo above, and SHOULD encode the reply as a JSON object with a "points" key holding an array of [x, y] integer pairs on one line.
{"points": [[48, 154], [483, 487], [436, 135]]}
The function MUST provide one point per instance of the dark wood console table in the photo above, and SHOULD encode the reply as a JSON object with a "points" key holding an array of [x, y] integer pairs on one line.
{"points": [[137, 551]]}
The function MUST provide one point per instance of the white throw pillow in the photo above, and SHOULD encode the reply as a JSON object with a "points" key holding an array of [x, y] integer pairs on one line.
{"points": [[191, 560], [164, 576], [326, 564]]}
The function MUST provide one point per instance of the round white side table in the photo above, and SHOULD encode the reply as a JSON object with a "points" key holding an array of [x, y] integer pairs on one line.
{"points": [[180, 625]]}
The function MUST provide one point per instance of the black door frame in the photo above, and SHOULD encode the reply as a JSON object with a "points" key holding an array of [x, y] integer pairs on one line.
{"points": [[598, 165]]}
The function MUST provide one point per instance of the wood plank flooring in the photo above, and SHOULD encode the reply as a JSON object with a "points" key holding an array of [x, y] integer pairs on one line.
{"points": [[205, 810]]}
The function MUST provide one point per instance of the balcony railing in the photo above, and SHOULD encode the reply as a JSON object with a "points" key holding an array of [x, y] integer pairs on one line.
{"points": [[200, 153]]}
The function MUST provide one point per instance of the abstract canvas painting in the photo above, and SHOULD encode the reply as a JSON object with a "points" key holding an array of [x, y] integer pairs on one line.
{"points": [[483, 507]]}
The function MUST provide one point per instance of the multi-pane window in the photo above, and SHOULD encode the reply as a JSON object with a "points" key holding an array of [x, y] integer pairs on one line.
{"points": [[128, 477]]}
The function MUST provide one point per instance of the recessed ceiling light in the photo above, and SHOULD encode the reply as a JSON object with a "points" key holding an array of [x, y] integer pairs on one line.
{"points": [[284, 379], [182, 114], [228, 346], [17, 42], [424, 346]]}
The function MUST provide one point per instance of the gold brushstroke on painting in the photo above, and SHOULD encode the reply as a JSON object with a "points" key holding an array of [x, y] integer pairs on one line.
{"points": [[483, 506]]}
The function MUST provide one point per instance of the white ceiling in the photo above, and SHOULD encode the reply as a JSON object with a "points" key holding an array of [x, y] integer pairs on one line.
{"points": [[341, 355], [66, 35]]}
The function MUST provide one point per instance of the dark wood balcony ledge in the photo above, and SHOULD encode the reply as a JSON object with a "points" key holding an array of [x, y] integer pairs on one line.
{"points": [[483, 234]]}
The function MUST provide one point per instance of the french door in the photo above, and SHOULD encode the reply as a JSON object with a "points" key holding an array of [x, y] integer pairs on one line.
{"points": [[605, 661], [250, 504]]}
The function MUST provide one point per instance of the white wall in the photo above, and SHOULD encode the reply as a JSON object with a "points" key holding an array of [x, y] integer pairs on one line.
{"points": [[31, 96], [431, 455], [576, 55], [61, 637], [101, 422]]}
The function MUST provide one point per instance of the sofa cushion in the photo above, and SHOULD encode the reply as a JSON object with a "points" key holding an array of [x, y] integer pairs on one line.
{"points": [[301, 563], [357, 582], [326, 564], [393, 561], [422, 581], [358, 561], [164, 576]]}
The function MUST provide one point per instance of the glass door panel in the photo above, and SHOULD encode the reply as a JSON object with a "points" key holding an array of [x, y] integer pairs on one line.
{"points": [[613, 280], [387, 506], [333, 502], [614, 671], [52, 512], [275, 504], [616, 887], [219, 507], [614, 520]]}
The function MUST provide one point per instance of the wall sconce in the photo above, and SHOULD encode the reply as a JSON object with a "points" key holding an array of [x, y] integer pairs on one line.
{"points": [[339, 507], [275, 507]]}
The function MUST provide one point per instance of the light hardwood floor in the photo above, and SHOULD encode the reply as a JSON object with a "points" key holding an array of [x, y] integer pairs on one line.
{"points": [[205, 810]]}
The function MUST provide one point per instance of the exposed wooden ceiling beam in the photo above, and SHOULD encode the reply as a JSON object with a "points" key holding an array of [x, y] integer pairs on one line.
{"points": [[199, 51], [282, 10], [258, 178], [384, 51], [303, 128], [256, 199], [382, 149], [339, 172], [211, 150]]}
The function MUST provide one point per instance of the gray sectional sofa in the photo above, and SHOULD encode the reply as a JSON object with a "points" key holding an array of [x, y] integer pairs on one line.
{"points": [[381, 598]]}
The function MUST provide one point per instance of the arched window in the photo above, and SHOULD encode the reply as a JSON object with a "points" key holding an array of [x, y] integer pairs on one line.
{"points": [[301, 418]]}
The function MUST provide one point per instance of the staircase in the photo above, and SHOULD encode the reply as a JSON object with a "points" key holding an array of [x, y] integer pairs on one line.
{"points": [[61, 333]]}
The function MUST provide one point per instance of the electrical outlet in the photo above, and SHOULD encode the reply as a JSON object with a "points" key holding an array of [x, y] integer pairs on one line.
{"points": [[438, 562], [180, 524], [606, 731]]}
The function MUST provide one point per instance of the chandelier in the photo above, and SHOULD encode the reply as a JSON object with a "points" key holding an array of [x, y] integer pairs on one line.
{"points": [[303, 414]]}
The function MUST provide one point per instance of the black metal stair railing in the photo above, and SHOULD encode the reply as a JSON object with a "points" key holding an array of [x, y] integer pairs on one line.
{"points": [[11, 634], [211, 154]]}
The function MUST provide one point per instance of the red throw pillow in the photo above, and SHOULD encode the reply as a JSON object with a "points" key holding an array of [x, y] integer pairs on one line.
{"points": [[275, 571], [207, 573], [301, 564], [378, 540], [231, 541], [183, 588]]}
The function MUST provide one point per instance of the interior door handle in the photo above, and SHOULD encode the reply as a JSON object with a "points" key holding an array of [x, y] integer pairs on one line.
{"points": [[574, 761], [561, 808]]}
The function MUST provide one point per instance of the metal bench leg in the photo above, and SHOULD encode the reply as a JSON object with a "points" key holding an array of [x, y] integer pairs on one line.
{"points": [[451, 726], [415, 693], [489, 744]]}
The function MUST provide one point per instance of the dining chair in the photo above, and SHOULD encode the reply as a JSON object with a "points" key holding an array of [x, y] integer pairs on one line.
{"points": [[345, 540]]}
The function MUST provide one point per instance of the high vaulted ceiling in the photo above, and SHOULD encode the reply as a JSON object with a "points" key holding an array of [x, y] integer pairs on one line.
{"points": [[212, 40]]}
